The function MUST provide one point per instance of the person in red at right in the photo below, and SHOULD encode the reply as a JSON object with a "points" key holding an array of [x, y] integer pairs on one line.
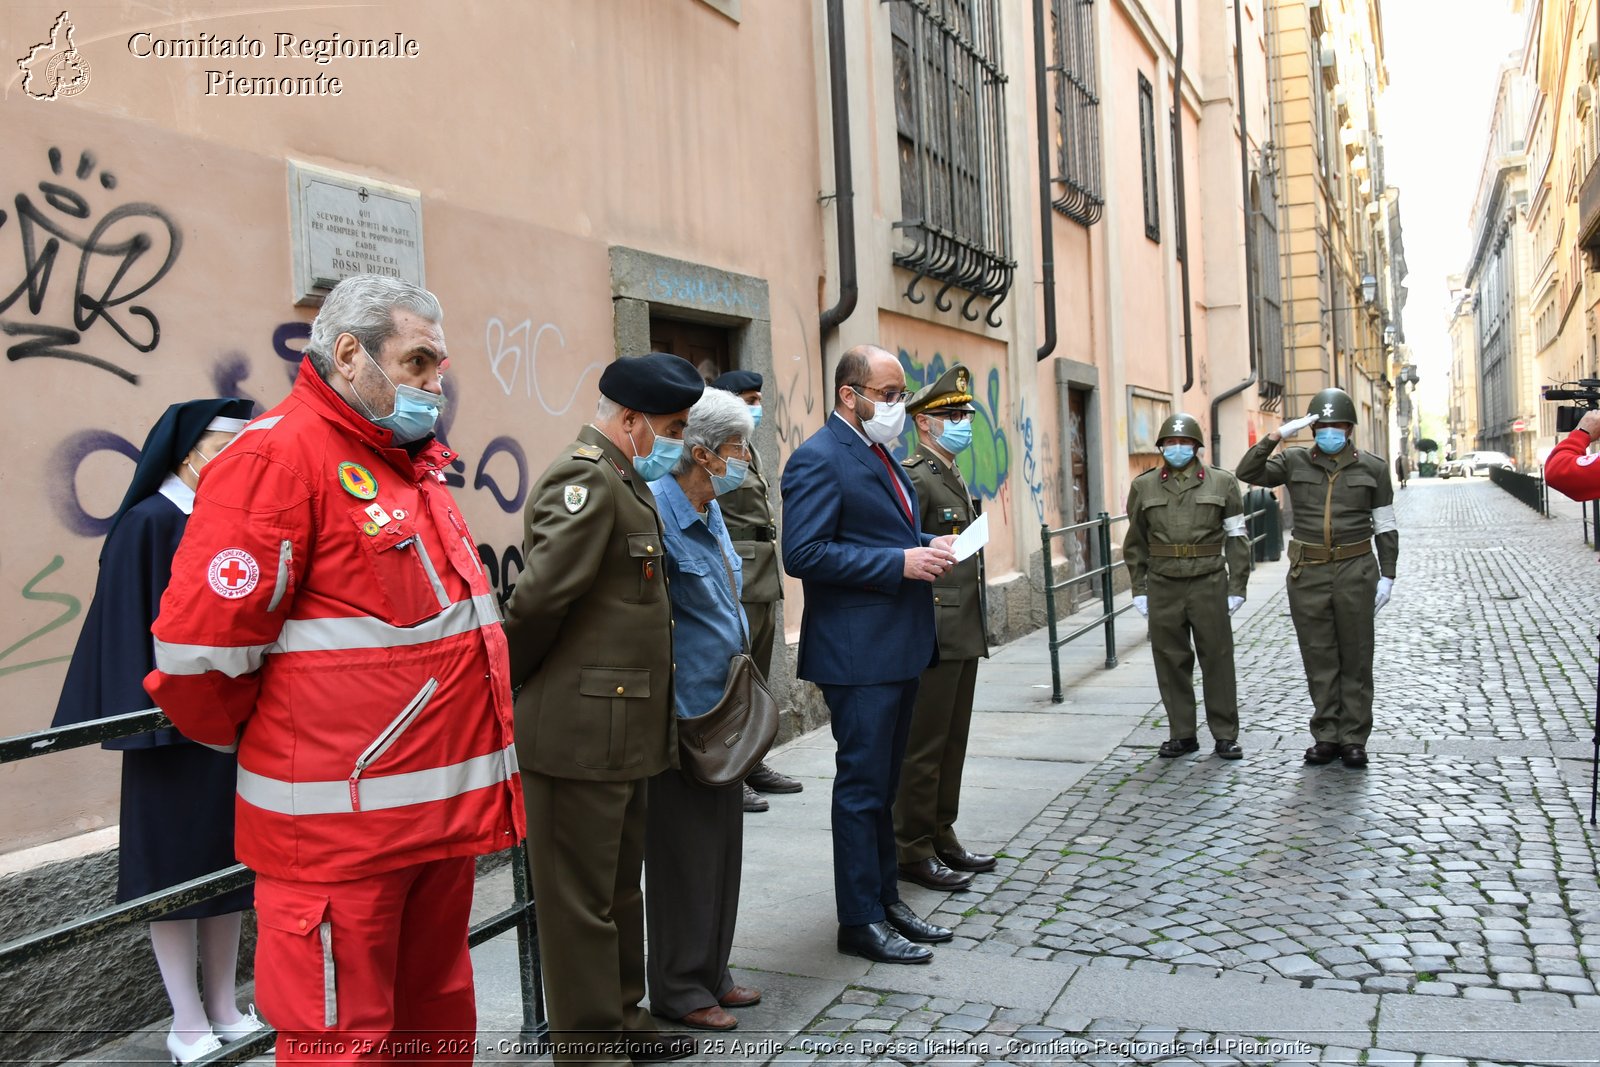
{"points": [[1572, 469]]}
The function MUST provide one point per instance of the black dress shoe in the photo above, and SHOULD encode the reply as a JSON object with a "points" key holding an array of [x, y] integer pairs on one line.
{"points": [[1228, 749], [913, 927], [932, 874], [1322, 752], [754, 801], [1178, 746], [766, 780], [959, 859], [880, 944], [660, 1048], [1353, 755]]}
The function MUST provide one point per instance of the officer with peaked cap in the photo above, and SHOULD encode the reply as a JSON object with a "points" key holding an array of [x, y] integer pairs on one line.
{"points": [[754, 529], [1343, 503], [927, 801], [1188, 558], [590, 630]]}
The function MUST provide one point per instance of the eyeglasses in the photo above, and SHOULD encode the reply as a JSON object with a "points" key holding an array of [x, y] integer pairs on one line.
{"points": [[955, 418], [899, 397]]}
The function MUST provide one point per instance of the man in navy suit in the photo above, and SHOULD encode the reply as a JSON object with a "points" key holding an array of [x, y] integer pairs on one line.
{"points": [[852, 538]]}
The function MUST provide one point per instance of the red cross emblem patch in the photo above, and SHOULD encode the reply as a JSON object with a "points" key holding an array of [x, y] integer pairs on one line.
{"points": [[233, 573]]}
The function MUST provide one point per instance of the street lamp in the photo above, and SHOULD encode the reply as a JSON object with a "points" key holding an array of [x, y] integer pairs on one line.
{"points": [[1369, 294]]}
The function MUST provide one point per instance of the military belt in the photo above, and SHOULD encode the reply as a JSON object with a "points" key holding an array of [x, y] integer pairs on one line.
{"points": [[1185, 551], [752, 533], [1324, 554]]}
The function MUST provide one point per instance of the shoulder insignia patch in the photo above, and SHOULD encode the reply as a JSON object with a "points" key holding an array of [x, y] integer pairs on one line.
{"points": [[588, 452], [915, 460], [233, 573], [575, 497]]}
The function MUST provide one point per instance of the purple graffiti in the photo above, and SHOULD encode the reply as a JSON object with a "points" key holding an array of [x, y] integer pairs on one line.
{"points": [[62, 476]]}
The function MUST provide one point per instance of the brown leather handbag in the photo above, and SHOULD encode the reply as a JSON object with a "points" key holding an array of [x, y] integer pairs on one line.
{"points": [[724, 744]]}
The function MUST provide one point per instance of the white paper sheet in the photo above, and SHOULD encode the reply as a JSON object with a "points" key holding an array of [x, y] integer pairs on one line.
{"points": [[971, 539]]}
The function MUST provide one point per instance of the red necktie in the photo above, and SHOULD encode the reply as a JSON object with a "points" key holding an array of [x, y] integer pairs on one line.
{"points": [[899, 490]]}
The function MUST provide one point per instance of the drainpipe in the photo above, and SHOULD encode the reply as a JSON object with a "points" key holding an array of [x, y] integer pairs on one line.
{"points": [[1249, 243], [1047, 237], [1182, 199], [843, 191]]}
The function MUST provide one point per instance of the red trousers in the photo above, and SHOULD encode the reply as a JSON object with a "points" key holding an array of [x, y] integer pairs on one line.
{"points": [[374, 970]]}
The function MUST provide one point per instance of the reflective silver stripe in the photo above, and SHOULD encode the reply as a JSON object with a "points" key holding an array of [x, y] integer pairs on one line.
{"points": [[1233, 526], [330, 981], [285, 558], [197, 659], [433, 575], [488, 610], [1383, 519], [363, 631], [259, 424], [387, 791]]}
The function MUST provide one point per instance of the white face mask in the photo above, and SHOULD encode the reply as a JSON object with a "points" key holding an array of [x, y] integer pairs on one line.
{"points": [[887, 421]]}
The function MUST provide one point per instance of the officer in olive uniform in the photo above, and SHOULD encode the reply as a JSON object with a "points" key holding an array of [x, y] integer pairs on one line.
{"points": [[1188, 556], [754, 530], [1342, 501], [928, 799], [590, 632]]}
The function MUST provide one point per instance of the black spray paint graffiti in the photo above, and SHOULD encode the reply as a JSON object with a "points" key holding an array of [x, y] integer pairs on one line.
{"points": [[123, 256]]}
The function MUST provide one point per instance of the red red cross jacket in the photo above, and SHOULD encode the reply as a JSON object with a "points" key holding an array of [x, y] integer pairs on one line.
{"points": [[1572, 469], [328, 612]]}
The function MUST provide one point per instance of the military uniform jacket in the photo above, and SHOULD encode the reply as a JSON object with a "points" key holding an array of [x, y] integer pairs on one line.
{"points": [[754, 530], [1333, 497], [946, 508], [590, 625], [1165, 508]]}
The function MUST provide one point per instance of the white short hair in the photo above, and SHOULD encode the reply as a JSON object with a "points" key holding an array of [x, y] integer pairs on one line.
{"points": [[716, 418]]}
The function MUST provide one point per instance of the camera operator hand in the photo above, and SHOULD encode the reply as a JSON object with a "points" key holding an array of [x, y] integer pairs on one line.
{"points": [[1590, 424]]}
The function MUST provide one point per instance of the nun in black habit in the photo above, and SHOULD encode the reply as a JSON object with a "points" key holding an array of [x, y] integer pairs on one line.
{"points": [[177, 796]]}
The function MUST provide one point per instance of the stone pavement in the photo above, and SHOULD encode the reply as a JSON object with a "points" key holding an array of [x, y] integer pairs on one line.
{"points": [[1438, 908]]}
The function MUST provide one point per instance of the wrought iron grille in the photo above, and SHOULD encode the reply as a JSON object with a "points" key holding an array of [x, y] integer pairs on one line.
{"points": [[1267, 265], [950, 120], [1077, 99], [1147, 155]]}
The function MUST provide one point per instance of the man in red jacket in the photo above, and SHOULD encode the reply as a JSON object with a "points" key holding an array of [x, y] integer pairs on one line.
{"points": [[328, 615], [1572, 469]]}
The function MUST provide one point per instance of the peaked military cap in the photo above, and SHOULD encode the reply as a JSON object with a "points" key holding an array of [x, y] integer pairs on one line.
{"points": [[738, 381], [952, 391], [656, 383]]}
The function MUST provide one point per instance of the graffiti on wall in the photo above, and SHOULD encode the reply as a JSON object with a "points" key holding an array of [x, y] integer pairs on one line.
{"points": [[70, 607], [121, 254], [1032, 466], [514, 353], [986, 464]]}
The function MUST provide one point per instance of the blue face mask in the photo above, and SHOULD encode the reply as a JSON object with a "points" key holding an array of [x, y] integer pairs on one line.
{"points": [[755, 413], [1178, 455], [957, 436], [1331, 440], [664, 455], [415, 410], [730, 479]]}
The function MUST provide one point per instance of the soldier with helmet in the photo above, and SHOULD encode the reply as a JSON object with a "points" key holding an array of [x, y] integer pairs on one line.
{"points": [[1342, 502], [1188, 556]]}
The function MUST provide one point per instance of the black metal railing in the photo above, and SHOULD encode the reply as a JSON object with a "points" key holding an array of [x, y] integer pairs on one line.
{"points": [[1526, 488], [1077, 103], [520, 916]]}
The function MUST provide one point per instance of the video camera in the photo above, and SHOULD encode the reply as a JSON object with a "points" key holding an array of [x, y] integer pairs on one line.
{"points": [[1586, 393]]}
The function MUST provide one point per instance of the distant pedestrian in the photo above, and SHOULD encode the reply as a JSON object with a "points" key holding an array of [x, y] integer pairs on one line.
{"points": [[1343, 503], [1402, 470], [1188, 557]]}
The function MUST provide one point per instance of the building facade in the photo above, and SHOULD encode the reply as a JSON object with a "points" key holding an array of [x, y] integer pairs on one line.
{"points": [[1462, 403]]}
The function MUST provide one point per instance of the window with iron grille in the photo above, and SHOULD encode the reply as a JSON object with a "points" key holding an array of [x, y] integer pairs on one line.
{"points": [[1265, 264], [1147, 153], [949, 108], [1079, 171]]}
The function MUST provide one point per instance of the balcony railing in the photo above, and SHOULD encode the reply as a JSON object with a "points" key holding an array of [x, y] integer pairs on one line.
{"points": [[1589, 215]]}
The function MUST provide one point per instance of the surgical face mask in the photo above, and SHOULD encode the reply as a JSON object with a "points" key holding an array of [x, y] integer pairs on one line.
{"points": [[415, 410], [1331, 440], [886, 423], [664, 455], [1177, 455], [731, 478], [203, 456], [956, 436], [755, 413]]}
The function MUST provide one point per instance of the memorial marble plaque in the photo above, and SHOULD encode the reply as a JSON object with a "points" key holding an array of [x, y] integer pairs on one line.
{"points": [[344, 224]]}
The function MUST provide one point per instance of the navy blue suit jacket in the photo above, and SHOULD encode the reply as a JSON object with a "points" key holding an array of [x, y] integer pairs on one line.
{"points": [[844, 537]]}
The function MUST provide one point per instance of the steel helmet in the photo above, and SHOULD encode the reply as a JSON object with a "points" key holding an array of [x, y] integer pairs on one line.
{"points": [[1180, 424], [1333, 405]]}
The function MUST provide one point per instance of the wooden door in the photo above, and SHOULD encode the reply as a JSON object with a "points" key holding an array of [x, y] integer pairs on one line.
{"points": [[1077, 503], [704, 346]]}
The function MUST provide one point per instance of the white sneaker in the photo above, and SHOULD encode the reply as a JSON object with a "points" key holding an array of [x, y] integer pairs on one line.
{"points": [[184, 1052], [248, 1024]]}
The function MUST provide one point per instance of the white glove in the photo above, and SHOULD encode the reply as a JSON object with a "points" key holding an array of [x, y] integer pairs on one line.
{"points": [[1289, 429], [1385, 587], [1141, 604], [1234, 603]]}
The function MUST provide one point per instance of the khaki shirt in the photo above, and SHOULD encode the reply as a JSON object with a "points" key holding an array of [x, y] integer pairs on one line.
{"points": [[754, 530], [947, 507], [1332, 497], [589, 624], [1167, 507]]}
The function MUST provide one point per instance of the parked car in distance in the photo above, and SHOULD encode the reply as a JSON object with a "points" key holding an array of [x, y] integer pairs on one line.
{"points": [[1469, 463]]}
